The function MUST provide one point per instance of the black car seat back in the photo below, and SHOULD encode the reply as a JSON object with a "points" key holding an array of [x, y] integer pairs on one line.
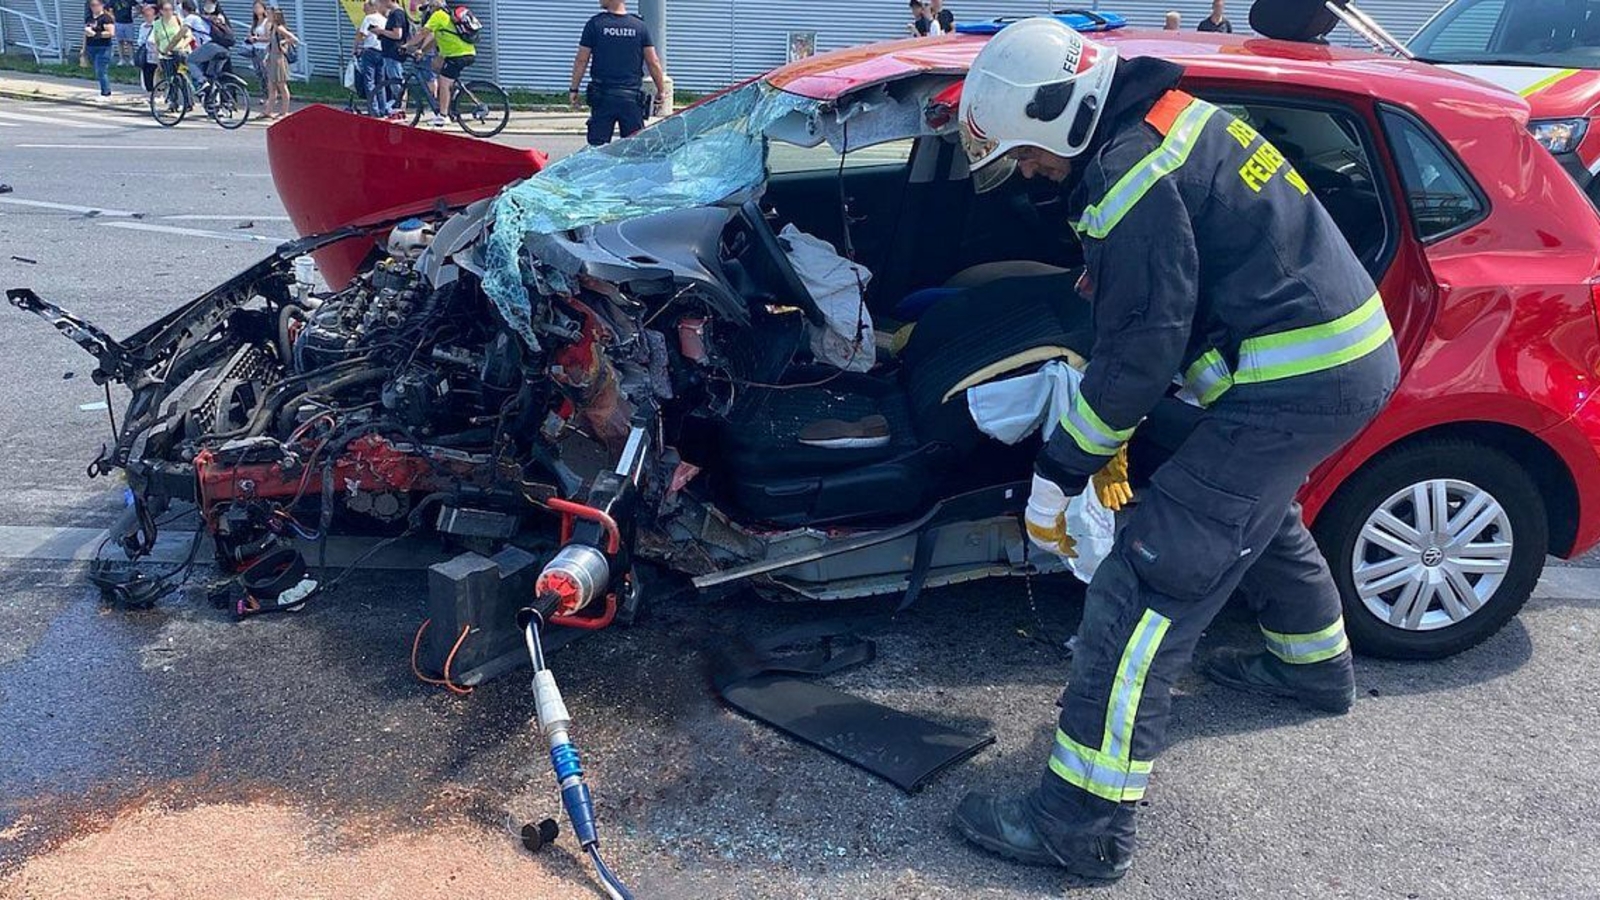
{"points": [[1004, 327]]}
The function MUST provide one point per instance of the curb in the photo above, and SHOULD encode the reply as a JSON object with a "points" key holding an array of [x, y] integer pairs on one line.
{"points": [[134, 106]]}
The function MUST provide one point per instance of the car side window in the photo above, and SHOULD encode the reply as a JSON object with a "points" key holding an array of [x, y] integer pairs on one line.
{"points": [[1469, 28], [1443, 199], [1334, 154], [788, 159]]}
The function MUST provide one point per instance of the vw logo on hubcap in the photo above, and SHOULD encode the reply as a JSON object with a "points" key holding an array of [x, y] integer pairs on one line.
{"points": [[1432, 556]]}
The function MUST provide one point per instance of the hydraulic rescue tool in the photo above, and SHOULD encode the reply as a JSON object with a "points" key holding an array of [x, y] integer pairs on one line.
{"points": [[579, 574]]}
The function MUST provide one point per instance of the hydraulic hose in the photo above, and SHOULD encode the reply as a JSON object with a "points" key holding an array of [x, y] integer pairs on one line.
{"points": [[554, 720]]}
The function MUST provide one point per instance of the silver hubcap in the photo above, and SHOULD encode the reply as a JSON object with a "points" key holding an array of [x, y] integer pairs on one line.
{"points": [[1432, 554]]}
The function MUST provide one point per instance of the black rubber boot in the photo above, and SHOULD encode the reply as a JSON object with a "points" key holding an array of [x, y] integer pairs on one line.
{"points": [[1002, 825], [1328, 686], [1019, 829]]}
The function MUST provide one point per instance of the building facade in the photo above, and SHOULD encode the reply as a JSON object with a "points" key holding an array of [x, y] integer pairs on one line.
{"points": [[709, 43]]}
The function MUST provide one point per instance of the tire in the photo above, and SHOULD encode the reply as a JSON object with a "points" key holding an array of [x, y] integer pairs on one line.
{"points": [[419, 102], [482, 108], [232, 108], [1467, 582], [168, 102]]}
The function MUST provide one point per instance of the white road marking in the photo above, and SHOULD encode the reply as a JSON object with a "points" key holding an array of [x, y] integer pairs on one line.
{"points": [[121, 116], [35, 542], [196, 232], [162, 148], [211, 218], [43, 120], [68, 207]]}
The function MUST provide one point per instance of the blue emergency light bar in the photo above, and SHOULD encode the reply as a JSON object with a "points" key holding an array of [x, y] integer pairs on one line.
{"points": [[1079, 20]]}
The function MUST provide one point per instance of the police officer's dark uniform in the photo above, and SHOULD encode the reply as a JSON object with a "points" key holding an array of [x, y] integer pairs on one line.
{"points": [[616, 68], [1206, 255]]}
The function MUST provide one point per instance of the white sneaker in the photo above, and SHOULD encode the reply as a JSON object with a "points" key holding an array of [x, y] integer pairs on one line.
{"points": [[438, 122]]}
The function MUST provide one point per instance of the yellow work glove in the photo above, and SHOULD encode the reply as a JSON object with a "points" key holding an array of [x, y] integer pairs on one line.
{"points": [[1046, 519], [1111, 482]]}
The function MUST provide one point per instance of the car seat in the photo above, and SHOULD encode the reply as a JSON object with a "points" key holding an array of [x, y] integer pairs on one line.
{"points": [[1003, 327]]}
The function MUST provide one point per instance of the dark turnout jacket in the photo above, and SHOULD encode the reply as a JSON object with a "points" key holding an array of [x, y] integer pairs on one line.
{"points": [[1209, 262]]}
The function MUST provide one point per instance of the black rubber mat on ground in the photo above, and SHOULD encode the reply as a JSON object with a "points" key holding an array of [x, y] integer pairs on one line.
{"points": [[907, 751]]}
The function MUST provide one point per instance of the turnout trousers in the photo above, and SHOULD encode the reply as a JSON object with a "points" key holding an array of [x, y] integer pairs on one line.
{"points": [[1220, 515]]}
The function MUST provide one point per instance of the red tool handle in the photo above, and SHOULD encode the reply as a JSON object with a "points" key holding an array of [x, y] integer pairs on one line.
{"points": [[570, 510]]}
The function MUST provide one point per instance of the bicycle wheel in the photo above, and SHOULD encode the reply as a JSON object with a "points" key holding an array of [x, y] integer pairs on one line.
{"points": [[231, 107], [481, 107], [168, 102], [421, 105]]}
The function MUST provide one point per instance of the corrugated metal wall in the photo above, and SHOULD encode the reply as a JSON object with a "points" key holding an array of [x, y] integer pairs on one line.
{"points": [[534, 49], [325, 34], [712, 43]]}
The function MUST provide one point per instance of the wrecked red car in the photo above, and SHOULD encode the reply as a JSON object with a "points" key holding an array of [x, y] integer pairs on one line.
{"points": [[618, 359]]}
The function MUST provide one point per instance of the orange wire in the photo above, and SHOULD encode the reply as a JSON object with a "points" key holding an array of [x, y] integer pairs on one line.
{"points": [[449, 685]]}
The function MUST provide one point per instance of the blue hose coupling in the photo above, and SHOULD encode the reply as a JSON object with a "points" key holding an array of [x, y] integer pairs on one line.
{"points": [[580, 809], [564, 759]]}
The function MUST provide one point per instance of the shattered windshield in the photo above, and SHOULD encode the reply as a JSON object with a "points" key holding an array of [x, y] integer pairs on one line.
{"points": [[703, 155]]}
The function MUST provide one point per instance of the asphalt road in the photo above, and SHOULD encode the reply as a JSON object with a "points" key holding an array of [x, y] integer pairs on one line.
{"points": [[176, 752]]}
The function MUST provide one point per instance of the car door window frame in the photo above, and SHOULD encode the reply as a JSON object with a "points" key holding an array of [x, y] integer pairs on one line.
{"points": [[1448, 16], [1370, 142], [1391, 115]]}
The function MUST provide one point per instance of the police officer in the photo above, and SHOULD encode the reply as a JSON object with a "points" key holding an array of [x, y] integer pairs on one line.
{"points": [[620, 46], [1208, 262]]}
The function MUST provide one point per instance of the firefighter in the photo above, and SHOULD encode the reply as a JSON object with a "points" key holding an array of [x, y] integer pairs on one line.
{"points": [[1208, 264]]}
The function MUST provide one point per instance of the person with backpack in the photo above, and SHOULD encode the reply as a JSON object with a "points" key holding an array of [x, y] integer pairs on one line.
{"points": [[214, 35], [615, 49], [453, 32], [172, 40]]}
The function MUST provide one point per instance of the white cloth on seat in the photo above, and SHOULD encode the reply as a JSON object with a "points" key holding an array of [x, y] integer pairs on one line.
{"points": [[1014, 408]]}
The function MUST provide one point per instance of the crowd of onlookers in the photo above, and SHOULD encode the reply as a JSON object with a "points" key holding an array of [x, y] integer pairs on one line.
{"points": [[157, 36], [929, 18]]}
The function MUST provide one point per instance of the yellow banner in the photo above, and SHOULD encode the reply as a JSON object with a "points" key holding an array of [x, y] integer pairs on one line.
{"points": [[352, 8]]}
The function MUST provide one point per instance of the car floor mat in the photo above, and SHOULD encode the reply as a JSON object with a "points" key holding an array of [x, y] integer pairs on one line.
{"points": [[906, 750]]}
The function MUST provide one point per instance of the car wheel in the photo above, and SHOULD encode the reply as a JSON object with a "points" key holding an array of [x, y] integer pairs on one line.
{"points": [[1434, 547]]}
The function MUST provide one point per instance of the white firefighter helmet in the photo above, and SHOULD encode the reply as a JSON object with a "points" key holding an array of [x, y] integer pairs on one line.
{"points": [[1039, 84]]}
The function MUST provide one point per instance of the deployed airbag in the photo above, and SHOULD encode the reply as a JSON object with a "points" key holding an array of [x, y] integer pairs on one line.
{"points": [[836, 285]]}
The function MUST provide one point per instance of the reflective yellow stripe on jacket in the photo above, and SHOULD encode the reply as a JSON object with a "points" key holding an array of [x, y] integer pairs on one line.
{"points": [[1298, 351]]}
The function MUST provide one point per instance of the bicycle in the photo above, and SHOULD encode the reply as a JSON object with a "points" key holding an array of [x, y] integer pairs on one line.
{"points": [[482, 108], [225, 97]]}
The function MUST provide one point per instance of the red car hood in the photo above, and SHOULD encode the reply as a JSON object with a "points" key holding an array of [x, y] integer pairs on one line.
{"points": [[332, 169]]}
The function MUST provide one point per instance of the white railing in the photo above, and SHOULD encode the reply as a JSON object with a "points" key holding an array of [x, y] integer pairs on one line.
{"points": [[40, 35]]}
